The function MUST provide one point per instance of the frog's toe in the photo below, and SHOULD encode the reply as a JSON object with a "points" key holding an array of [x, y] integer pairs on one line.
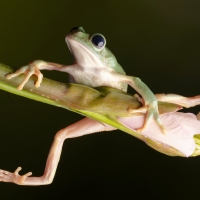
{"points": [[20, 87], [160, 124], [39, 80], [9, 76], [140, 130]]}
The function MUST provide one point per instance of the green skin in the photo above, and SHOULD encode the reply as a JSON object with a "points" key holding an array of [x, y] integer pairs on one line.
{"points": [[95, 103]]}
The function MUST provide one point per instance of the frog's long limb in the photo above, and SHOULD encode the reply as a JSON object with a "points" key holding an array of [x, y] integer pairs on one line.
{"points": [[82, 127], [186, 102], [150, 101]]}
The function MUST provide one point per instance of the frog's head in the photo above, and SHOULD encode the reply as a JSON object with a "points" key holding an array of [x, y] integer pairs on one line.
{"points": [[89, 49], [95, 41]]}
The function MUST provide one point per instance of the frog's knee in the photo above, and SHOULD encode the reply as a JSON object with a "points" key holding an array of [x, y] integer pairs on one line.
{"points": [[60, 135]]}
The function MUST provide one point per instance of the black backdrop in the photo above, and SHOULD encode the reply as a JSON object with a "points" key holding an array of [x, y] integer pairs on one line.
{"points": [[156, 40]]}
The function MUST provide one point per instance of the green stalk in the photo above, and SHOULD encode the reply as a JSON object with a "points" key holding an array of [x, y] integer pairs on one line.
{"points": [[96, 103], [87, 101]]}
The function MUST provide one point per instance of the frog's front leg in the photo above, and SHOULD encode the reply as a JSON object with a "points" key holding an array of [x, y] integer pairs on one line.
{"points": [[150, 101], [82, 127], [34, 69]]}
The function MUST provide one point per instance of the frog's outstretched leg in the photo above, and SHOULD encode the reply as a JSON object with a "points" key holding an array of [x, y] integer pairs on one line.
{"points": [[82, 127], [186, 102]]}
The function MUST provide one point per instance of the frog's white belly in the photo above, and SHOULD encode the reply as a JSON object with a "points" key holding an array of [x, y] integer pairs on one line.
{"points": [[96, 78]]}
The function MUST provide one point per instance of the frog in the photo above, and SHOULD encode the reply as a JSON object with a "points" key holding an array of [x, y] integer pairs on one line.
{"points": [[93, 65]]}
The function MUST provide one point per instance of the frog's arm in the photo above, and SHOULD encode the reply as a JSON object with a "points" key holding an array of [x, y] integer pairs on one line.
{"points": [[150, 101], [34, 68]]}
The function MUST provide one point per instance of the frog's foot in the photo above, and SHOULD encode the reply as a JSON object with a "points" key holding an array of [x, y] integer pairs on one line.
{"points": [[28, 71], [6, 176], [151, 114]]}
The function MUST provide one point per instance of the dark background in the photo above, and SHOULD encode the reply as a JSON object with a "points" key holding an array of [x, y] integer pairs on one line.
{"points": [[155, 40]]}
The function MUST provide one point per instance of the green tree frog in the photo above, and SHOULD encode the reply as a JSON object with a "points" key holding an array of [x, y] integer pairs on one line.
{"points": [[94, 65]]}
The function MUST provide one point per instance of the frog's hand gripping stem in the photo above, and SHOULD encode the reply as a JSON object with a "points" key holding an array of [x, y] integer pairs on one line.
{"points": [[28, 71], [34, 69], [150, 101]]}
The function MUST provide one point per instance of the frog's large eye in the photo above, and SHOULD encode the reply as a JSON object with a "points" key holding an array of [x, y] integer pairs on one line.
{"points": [[98, 40]]}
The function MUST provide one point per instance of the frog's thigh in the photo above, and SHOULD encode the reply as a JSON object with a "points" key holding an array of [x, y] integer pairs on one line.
{"points": [[83, 127], [178, 99]]}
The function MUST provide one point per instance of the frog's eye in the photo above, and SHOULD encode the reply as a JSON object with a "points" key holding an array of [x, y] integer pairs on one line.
{"points": [[98, 40]]}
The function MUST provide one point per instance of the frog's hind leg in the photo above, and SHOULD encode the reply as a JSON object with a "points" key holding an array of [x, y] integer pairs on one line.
{"points": [[186, 102], [82, 127]]}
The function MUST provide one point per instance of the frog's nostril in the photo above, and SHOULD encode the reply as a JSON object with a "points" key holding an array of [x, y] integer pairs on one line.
{"points": [[77, 29]]}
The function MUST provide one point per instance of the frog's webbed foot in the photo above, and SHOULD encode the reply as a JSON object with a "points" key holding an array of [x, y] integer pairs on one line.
{"points": [[6, 176], [28, 71]]}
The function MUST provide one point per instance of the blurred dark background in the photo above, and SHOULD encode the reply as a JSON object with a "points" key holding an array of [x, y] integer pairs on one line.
{"points": [[155, 40]]}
